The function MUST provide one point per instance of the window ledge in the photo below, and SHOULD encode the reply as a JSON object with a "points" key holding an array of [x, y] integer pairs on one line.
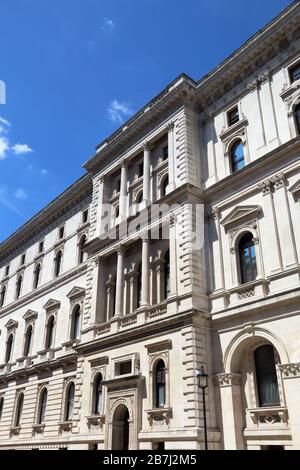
{"points": [[15, 430], [159, 414], [95, 420], [289, 90], [236, 128], [38, 428], [256, 288], [268, 415], [65, 426]]}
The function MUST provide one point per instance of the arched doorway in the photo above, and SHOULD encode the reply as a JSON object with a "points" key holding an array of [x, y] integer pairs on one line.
{"points": [[120, 428]]}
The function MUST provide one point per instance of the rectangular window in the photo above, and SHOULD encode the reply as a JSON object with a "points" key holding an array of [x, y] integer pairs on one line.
{"points": [[118, 187], [23, 258], [140, 170], [233, 116], [123, 368], [41, 247], [165, 152], [295, 72], [85, 215], [7, 270], [61, 232]]}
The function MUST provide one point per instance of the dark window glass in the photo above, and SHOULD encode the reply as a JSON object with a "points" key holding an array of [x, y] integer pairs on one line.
{"points": [[50, 333], [42, 407], [125, 368], [118, 186], [57, 267], [76, 323], [61, 232], [7, 270], [247, 258], [85, 216], [297, 117], [233, 116], [160, 385], [98, 395], [159, 446], [19, 287], [117, 211], [1, 406], [28, 339], [19, 409], [23, 258], [2, 297], [41, 247], [164, 186], [9, 345], [37, 275], [167, 275], [140, 170], [70, 402], [237, 157], [82, 253], [295, 73], [139, 287], [165, 152], [139, 197], [266, 377]]}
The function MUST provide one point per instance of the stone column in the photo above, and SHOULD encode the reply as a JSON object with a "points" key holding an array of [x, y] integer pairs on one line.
{"points": [[160, 281], [232, 416], [145, 271], [173, 256], [291, 382], [171, 157], [120, 282], [100, 202], [146, 175], [110, 293], [123, 191], [132, 294], [98, 293]]}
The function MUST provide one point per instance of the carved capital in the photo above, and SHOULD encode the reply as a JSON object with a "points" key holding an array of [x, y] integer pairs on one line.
{"points": [[252, 86], [224, 380], [290, 370], [279, 180], [216, 213], [146, 146], [264, 77], [120, 250], [266, 187], [170, 126]]}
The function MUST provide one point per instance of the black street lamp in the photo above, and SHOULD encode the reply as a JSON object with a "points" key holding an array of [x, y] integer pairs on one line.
{"points": [[203, 384]]}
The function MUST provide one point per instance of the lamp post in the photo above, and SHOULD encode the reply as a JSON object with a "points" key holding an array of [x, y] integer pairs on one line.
{"points": [[202, 378]]}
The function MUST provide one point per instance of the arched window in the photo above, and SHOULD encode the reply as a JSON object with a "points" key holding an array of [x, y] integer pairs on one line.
{"points": [[70, 395], [167, 287], [247, 258], [98, 395], [57, 263], [297, 117], [42, 406], [28, 340], [237, 156], [50, 332], [19, 409], [19, 286], [9, 346], [1, 406], [139, 287], [76, 317], [117, 211], [266, 377], [164, 185], [2, 296], [82, 253], [160, 384], [37, 275]]}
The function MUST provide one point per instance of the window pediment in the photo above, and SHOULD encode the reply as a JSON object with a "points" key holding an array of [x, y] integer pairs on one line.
{"points": [[239, 215], [30, 315], [11, 325], [295, 190], [52, 304], [76, 292]]}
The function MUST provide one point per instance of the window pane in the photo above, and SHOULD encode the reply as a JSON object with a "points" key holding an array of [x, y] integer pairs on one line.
{"points": [[297, 117], [266, 376], [295, 73], [237, 157]]}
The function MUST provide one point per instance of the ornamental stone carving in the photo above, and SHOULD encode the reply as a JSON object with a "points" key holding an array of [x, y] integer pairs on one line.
{"points": [[229, 379], [290, 370]]}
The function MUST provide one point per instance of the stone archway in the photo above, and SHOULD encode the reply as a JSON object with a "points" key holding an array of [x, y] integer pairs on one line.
{"points": [[120, 428]]}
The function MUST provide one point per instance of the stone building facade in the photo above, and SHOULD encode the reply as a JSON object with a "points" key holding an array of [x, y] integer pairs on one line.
{"points": [[109, 307]]}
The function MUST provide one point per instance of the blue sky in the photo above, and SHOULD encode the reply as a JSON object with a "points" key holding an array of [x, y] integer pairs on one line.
{"points": [[76, 69]]}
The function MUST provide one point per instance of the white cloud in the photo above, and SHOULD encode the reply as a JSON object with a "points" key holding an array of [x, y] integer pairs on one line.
{"points": [[21, 194], [44, 172], [119, 111], [5, 122], [4, 147], [108, 24], [21, 149]]}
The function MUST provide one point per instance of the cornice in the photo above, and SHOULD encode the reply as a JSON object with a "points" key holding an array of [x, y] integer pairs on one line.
{"points": [[72, 196]]}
